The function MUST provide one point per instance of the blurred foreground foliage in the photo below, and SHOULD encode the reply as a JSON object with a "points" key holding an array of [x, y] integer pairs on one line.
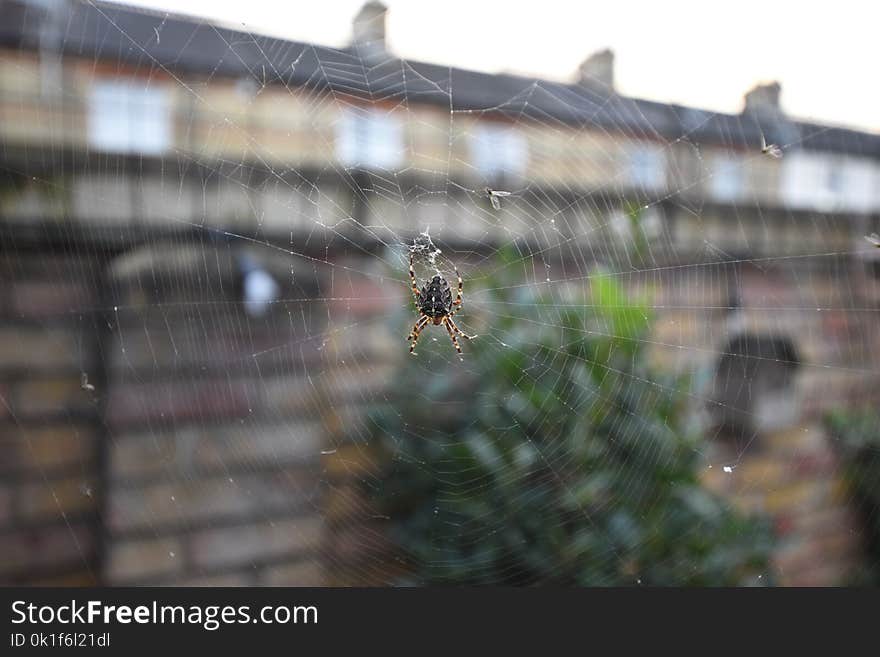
{"points": [[856, 435], [552, 454]]}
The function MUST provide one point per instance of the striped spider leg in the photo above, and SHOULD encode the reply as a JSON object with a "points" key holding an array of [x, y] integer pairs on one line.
{"points": [[416, 331], [457, 303], [412, 278], [451, 324]]}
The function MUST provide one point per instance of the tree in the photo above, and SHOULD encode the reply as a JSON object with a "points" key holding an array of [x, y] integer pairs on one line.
{"points": [[856, 434], [555, 455]]}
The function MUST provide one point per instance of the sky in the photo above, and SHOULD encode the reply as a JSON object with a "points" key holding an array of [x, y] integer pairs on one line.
{"points": [[692, 52]]}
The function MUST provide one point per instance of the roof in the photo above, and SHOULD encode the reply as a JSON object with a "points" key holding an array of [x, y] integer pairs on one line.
{"points": [[195, 47]]}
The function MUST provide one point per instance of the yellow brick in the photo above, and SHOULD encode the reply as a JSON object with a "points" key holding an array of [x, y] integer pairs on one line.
{"points": [[351, 460], [49, 500], [841, 491], [47, 448], [302, 573], [763, 472], [136, 560], [791, 496]]}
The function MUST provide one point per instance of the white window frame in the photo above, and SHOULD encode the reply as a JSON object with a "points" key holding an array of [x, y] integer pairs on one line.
{"points": [[499, 151], [129, 116], [369, 138], [647, 167]]}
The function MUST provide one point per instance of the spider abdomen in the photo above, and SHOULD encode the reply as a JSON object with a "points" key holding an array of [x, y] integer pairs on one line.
{"points": [[435, 299], [436, 306]]}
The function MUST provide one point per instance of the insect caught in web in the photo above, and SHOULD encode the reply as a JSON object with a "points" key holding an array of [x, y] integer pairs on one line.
{"points": [[84, 383], [874, 239], [436, 306], [770, 149], [495, 196]]}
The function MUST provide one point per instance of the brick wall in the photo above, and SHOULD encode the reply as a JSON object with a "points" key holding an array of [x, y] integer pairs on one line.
{"points": [[794, 477], [215, 446], [181, 457], [49, 424]]}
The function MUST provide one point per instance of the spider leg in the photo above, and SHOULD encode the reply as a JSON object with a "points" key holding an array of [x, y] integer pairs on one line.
{"points": [[412, 278], [417, 327], [458, 330], [448, 324], [416, 330], [457, 301]]}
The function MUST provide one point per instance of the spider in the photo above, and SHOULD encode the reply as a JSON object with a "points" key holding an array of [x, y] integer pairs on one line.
{"points": [[435, 305]]}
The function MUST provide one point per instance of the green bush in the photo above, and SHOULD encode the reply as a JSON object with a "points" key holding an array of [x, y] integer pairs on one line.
{"points": [[553, 454], [856, 435]]}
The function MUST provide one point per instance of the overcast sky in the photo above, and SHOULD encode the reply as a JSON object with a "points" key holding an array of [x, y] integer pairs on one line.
{"points": [[687, 51]]}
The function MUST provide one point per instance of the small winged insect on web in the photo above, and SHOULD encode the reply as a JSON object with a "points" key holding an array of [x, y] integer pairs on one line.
{"points": [[84, 383], [874, 239], [770, 149], [495, 196]]}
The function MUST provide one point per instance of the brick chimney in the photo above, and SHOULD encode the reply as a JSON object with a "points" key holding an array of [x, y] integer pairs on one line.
{"points": [[597, 71], [368, 30], [763, 99]]}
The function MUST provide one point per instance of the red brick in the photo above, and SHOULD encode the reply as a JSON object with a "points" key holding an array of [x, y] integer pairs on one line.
{"points": [[344, 500], [38, 349], [5, 411], [224, 342], [364, 297], [350, 460], [830, 521], [27, 448], [287, 395], [827, 574], [359, 542], [245, 544], [5, 506], [262, 444], [356, 383], [300, 573], [58, 395], [40, 299], [226, 579], [214, 447], [78, 578], [247, 496], [133, 561], [816, 462], [195, 400], [43, 547]]}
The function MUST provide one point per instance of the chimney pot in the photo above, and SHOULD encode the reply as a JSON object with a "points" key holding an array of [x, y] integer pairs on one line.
{"points": [[764, 99], [368, 30], [597, 71]]}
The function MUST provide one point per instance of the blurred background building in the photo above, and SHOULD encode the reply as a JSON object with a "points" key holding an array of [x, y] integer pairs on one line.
{"points": [[169, 189]]}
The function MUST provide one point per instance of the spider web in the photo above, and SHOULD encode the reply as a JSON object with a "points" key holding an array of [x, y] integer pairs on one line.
{"points": [[256, 304]]}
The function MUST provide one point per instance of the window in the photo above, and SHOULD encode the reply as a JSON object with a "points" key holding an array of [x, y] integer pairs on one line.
{"points": [[369, 138], [827, 182], [498, 151], [647, 167], [834, 181], [726, 181], [129, 117]]}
